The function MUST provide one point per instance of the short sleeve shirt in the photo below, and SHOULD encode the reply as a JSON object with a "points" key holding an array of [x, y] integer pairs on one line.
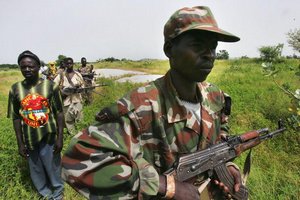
{"points": [[63, 82], [36, 107]]}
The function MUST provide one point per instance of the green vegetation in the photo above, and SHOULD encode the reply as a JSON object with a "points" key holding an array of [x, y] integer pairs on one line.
{"points": [[6, 67], [256, 103], [271, 53], [222, 55], [294, 39], [271, 71]]}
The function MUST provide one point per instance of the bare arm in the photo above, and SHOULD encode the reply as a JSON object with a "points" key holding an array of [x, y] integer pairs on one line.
{"points": [[19, 135], [60, 126]]}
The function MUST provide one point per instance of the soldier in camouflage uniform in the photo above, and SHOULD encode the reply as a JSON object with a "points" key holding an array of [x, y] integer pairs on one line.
{"points": [[125, 153], [87, 73]]}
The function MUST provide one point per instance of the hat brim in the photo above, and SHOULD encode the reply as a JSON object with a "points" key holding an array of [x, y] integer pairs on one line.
{"points": [[222, 35]]}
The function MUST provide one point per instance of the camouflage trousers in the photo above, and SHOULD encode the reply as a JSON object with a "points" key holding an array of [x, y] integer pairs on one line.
{"points": [[87, 97], [73, 114]]}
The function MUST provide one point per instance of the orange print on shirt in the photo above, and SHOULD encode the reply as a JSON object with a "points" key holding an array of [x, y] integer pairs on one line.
{"points": [[35, 110]]}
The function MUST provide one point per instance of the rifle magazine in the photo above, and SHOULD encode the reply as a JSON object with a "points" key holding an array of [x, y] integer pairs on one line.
{"points": [[224, 176]]}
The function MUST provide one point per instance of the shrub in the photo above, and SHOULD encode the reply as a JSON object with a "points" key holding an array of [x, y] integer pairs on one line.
{"points": [[271, 53], [223, 55], [294, 39]]}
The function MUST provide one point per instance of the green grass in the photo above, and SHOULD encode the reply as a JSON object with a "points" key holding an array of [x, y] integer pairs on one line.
{"points": [[256, 103]]}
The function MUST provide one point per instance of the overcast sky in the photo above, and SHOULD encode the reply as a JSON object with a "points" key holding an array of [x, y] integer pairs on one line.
{"points": [[133, 29]]}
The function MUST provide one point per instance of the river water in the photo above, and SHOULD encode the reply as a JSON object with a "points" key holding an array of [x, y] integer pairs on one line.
{"points": [[131, 76]]}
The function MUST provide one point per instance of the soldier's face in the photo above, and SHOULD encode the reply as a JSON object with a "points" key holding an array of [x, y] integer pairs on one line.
{"points": [[193, 55], [83, 61], [29, 68]]}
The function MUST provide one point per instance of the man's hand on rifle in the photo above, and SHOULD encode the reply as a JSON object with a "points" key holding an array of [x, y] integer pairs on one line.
{"points": [[237, 180], [186, 191], [181, 190]]}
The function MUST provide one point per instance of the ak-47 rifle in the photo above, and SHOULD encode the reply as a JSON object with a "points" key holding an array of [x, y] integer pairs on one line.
{"points": [[73, 90], [213, 159]]}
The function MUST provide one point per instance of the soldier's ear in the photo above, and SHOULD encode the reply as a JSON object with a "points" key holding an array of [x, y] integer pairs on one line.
{"points": [[168, 48]]}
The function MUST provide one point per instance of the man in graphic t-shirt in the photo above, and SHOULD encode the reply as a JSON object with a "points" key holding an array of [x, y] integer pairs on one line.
{"points": [[35, 106]]}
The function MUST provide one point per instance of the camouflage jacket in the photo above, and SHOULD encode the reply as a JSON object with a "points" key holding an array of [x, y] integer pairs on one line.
{"points": [[140, 137], [87, 74]]}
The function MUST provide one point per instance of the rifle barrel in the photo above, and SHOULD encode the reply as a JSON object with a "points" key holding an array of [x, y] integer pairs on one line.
{"points": [[272, 134]]}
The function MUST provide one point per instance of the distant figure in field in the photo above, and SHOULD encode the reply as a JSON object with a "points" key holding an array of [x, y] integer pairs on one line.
{"points": [[35, 106], [52, 71], [61, 67], [70, 79], [43, 71], [88, 76]]}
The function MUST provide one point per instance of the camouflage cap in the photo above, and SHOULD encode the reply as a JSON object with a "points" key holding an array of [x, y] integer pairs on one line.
{"points": [[195, 18]]}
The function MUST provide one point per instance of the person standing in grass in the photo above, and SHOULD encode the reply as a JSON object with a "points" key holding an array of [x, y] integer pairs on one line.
{"points": [[61, 67], [44, 70], [70, 79], [88, 76], [52, 71], [137, 139], [35, 106]]}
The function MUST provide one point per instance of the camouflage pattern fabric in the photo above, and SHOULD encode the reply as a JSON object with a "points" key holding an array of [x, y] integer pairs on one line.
{"points": [[86, 69], [73, 114], [195, 18], [88, 77], [140, 137]]}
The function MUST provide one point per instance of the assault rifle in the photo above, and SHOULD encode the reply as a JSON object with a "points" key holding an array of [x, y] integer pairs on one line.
{"points": [[73, 90], [212, 160]]}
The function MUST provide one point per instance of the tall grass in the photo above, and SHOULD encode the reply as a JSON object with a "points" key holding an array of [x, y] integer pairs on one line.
{"points": [[257, 103]]}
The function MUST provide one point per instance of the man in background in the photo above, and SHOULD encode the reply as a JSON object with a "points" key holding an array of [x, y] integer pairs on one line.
{"points": [[52, 71], [88, 76], [43, 71], [69, 81], [61, 67]]}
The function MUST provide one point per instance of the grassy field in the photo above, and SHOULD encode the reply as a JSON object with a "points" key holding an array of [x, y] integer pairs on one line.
{"points": [[257, 103]]}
